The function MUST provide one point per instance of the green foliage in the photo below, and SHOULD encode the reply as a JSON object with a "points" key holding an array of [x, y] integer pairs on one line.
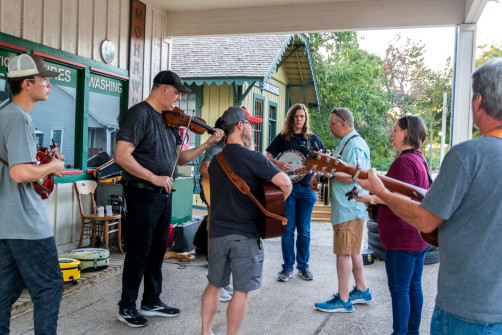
{"points": [[376, 91], [350, 77], [488, 52]]}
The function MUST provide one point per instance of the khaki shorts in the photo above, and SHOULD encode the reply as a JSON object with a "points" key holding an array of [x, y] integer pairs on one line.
{"points": [[347, 237]]}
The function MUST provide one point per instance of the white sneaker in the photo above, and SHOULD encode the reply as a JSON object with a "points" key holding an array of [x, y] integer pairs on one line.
{"points": [[229, 289], [224, 296]]}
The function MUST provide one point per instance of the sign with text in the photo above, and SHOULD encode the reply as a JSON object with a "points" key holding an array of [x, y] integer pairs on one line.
{"points": [[137, 52], [67, 75], [105, 85]]}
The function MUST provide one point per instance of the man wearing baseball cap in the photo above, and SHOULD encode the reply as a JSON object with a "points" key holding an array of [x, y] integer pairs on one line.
{"points": [[147, 150], [27, 247], [235, 247]]}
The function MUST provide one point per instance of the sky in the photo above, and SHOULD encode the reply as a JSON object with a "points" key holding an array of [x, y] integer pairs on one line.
{"points": [[439, 42]]}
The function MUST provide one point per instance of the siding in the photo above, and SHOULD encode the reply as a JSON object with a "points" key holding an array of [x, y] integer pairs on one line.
{"points": [[75, 26]]}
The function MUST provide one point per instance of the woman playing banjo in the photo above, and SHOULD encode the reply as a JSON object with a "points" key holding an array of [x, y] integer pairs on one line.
{"points": [[288, 151]]}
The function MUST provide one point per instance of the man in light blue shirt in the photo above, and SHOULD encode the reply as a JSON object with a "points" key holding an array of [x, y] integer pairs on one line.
{"points": [[347, 217]]}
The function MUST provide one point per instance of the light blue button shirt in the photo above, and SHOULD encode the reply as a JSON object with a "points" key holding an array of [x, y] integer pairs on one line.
{"points": [[356, 152]]}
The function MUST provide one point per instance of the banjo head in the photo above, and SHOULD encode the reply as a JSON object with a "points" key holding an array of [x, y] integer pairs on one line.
{"points": [[297, 160]]}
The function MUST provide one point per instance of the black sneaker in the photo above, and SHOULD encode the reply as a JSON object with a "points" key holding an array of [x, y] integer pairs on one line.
{"points": [[159, 309], [305, 274], [284, 275], [132, 318]]}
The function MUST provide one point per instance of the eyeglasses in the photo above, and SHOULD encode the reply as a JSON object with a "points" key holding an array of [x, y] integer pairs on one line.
{"points": [[44, 82], [337, 114], [251, 124]]}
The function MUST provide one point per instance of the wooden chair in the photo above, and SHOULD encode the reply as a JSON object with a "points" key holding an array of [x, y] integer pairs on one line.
{"points": [[91, 224]]}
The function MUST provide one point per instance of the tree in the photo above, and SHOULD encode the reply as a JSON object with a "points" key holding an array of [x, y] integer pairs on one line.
{"points": [[488, 52], [350, 77], [412, 88]]}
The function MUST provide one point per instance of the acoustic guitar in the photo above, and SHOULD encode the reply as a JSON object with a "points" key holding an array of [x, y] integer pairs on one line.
{"points": [[328, 165], [271, 198]]}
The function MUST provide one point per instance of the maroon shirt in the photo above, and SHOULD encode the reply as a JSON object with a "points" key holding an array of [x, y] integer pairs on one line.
{"points": [[395, 233]]}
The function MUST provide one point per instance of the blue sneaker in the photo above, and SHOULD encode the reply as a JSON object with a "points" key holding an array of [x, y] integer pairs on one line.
{"points": [[360, 297], [335, 305]]}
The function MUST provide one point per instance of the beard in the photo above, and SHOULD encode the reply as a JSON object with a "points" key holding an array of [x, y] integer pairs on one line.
{"points": [[248, 140]]}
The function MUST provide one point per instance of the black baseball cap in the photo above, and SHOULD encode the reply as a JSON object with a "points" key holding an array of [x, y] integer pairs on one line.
{"points": [[170, 78], [235, 114]]}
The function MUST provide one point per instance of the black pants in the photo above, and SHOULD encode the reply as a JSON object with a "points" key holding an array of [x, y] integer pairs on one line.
{"points": [[148, 220], [33, 263]]}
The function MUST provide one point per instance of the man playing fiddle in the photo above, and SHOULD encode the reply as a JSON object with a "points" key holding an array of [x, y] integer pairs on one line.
{"points": [[27, 247], [147, 150]]}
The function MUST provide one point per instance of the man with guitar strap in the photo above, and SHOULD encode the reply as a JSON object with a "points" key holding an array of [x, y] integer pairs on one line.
{"points": [[27, 248], [464, 206], [347, 217], [296, 138], [235, 247]]}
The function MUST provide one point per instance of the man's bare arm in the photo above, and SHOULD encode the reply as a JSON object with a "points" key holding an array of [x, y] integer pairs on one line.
{"points": [[28, 172], [282, 181], [189, 155]]}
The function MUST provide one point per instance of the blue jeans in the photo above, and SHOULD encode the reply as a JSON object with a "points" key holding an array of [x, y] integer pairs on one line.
{"points": [[148, 220], [33, 263], [444, 323], [404, 276], [299, 206]]}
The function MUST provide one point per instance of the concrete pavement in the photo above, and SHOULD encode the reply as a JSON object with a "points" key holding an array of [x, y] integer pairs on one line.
{"points": [[277, 308]]}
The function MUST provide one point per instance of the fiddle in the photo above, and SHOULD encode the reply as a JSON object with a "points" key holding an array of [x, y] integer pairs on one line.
{"points": [[177, 118], [44, 186]]}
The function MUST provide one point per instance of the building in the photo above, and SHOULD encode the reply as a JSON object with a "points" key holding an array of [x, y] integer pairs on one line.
{"points": [[108, 51]]}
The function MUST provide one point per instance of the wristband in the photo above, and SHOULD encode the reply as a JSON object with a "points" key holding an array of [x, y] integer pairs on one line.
{"points": [[372, 199]]}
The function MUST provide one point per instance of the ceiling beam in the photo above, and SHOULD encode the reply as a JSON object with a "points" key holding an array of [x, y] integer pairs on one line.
{"points": [[473, 10], [356, 15]]}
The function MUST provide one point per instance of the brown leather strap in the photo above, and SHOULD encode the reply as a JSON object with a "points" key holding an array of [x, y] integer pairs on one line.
{"points": [[244, 188], [5, 162]]}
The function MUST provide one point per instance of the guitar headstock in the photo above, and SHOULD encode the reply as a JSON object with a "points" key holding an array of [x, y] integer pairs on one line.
{"points": [[325, 164]]}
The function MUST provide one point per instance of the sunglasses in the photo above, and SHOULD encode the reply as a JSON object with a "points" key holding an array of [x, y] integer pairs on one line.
{"points": [[338, 114]]}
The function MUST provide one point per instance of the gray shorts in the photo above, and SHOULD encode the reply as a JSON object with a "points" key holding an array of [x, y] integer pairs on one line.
{"points": [[237, 255]]}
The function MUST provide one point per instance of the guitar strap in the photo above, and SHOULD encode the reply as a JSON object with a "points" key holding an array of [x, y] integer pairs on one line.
{"points": [[423, 161], [5, 162], [341, 151], [244, 188]]}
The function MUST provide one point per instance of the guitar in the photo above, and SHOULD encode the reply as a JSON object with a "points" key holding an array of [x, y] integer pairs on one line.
{"points": [[272, 198], [297, 160], [44, 186], [328, 165]]}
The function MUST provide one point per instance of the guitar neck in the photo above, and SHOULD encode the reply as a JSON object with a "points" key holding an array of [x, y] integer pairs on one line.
{"points": [[395, 185], [326, 163]]}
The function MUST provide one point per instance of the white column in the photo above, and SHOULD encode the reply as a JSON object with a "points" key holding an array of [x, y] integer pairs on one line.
{"points": [[464, 66]]}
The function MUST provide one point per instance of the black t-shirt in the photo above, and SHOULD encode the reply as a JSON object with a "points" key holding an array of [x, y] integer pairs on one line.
{"points": [[154, 142], [297, 142], [233, 212]]}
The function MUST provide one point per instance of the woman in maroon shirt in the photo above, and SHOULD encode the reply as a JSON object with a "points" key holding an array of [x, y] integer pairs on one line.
{"points": [[405, 250]]}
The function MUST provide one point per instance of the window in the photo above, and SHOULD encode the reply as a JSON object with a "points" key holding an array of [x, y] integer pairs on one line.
{"points": [[258, 128], [5, 57], [105, 96], [188, 105], [272, 121], [57, 136], [55, 117]]}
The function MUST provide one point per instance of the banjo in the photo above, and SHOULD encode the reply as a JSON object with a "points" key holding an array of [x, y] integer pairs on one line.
{"points": [[297, 160]]}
